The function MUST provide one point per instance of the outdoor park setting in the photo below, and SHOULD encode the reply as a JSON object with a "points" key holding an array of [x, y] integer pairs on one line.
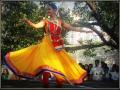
{"points": [[84, 55]]}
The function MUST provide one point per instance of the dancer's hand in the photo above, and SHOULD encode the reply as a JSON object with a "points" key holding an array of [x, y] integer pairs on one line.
{"points": [[35, 25], [24, 19]]}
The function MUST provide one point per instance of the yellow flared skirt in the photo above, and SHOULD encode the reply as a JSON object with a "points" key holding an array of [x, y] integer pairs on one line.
{"points": [[35, 59]]}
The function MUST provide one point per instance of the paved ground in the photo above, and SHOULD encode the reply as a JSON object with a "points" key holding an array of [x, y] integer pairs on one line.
{"points": [[37, 84]]}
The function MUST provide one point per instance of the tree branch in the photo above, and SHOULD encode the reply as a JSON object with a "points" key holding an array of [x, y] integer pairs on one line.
{"points": [[83, 47], [109, 43], [85, 23], [114, 42]]}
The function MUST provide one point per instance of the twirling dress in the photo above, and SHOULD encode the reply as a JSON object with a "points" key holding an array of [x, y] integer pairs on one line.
{"points": [[35, 59]]}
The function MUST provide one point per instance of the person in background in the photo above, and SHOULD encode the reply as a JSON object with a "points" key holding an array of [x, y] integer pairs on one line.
{"points": [[86, 67], [5, 74], [90, 66], [114, 73], [105, 68], [81, 65], [97, 72]]}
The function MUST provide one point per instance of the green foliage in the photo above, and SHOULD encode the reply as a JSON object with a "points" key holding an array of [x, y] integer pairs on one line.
{"points": [[81, 9], [90, 51], [109, 20], [71, 51], [15, 33], [109, 12]]}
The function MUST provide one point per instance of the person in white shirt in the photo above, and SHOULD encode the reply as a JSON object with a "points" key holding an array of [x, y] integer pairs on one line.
{"points": [[97, 72], [114, 73]]}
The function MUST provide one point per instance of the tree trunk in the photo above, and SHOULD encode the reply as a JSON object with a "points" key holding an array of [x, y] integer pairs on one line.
{"points": [[114, 42]]}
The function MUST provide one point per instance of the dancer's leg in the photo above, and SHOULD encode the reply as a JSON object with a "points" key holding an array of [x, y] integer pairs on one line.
{"points": [[58, 83], [45, 78]]}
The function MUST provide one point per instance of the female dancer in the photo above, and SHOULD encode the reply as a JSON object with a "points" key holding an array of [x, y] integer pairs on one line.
{"points": [[48, 56]]}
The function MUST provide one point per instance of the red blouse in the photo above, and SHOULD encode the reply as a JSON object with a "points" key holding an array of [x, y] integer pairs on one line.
{"points": [[55, 32]]}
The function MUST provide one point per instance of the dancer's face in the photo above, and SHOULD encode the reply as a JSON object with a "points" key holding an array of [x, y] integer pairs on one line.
{"points": [[51, 11]]}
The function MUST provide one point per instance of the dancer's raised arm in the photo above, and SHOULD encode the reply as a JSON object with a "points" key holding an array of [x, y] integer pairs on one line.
{"points": [[37, 25]]}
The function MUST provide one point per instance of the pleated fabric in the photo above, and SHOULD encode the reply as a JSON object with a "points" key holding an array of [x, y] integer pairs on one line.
{"points": [[35, 59]]}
